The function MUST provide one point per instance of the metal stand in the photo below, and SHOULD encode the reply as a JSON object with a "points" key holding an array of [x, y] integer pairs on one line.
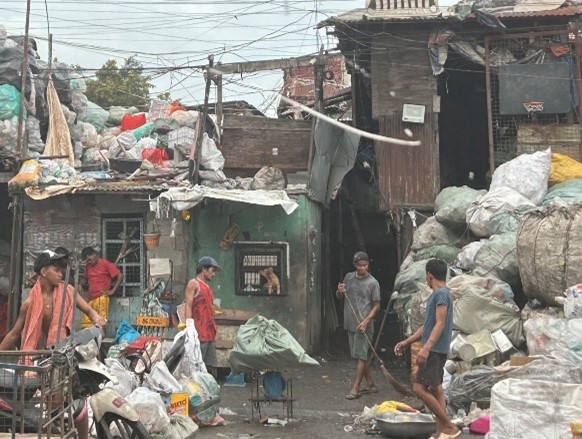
{"points": [[257, 399]]}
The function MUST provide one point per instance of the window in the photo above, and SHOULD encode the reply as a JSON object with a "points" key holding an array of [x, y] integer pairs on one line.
{"points": [[125, 235], [261, 268]]}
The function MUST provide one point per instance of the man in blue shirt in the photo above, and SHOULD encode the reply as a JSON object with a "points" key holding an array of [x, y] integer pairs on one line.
{"points": [[435, 336]]}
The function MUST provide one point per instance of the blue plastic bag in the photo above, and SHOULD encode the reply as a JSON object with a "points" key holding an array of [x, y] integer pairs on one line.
{"points": [[126, 332]]}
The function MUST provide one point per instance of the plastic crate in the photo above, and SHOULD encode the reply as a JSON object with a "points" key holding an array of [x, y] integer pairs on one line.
{"points": [[159, 109]]}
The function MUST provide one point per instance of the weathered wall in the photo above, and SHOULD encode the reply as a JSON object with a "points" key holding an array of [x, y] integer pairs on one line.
{"points": [[75, 222], [401, 74], [300, 310]]}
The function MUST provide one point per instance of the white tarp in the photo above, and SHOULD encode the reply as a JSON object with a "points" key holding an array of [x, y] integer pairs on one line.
{"points": [[184, 198]]}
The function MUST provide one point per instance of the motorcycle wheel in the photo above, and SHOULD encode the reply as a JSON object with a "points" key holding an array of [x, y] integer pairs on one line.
{"points": [[116, 427]]}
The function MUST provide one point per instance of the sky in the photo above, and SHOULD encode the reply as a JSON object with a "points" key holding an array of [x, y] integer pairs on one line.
{"points": [[166, 33]]}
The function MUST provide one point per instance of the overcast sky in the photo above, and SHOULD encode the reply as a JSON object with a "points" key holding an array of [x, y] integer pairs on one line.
{"points": [[180, 32]]}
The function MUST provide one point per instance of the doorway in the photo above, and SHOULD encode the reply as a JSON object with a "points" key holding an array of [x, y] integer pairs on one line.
{"points": [[463, 128], [5, 253]]}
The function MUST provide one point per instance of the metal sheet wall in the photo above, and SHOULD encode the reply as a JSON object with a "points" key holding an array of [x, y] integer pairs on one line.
{"points": [[409, 175]]}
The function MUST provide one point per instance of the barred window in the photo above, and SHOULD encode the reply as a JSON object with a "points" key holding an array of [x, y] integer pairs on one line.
{"points": [[261, 268], [124, 236]]}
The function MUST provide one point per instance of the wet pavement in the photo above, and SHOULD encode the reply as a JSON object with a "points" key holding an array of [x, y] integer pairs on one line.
{"points": [[320, 409]]}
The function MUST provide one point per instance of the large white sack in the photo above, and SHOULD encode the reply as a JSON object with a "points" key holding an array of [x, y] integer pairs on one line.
{"points": [[466, 258], [534, 409], [527, 174], [431, 233], [503, 199]]}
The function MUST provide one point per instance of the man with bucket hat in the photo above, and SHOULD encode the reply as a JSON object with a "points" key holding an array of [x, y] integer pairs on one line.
{"points": [[199, 301]]}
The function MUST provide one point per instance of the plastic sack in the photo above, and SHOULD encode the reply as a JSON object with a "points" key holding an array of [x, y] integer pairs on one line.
{"points": [[473, 312], [525, 409], [192, 361], [268, 178], [264, 344], [447, 253], [150, 407], [431, 233], [142, 131], [117, 113], [96, 116], [11, 66], [466, 257], [182, 139], [573, 302], [471, 386], [77, 82], [407, 283], [451, 205], [125, 332], [569, 192], [527, 174], [554, 336], [203, 396], [161, 380], [564, 168], [156, 156], [70, 116], [28, 175], [418, 307], [9, 133], [185, 118], [79, 103], [9, 102], [497, 258], [542, 368], [549, 251], [127, 381], [132, 121], [211, 158], [126, 140], [180, 427], [35, 142], [498, 200]]}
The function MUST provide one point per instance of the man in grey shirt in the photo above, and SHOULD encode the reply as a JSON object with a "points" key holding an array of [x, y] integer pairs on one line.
{"points": [[362, 302]]}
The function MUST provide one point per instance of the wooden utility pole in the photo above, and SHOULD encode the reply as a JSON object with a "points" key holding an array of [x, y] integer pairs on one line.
{"points": [[218, 82], [317, 106], [202, 123]]}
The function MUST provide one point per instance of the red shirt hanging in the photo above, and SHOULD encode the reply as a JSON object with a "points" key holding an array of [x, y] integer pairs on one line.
{"points": [[203, 313]]}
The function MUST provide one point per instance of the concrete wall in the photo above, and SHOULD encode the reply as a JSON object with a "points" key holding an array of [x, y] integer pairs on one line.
{"points": [[300, 310]]}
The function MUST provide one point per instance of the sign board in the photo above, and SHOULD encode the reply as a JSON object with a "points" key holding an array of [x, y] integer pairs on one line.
{"points": [[150, 321]]}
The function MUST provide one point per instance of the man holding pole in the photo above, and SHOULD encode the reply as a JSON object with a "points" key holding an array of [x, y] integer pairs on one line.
{"points": [[361, 292]]}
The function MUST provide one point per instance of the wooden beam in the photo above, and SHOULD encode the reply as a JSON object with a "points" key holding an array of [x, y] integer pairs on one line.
{"points": [[267, 64]]}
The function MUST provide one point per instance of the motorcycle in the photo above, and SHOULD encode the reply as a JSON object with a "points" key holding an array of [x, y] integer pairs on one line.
{"points": [[114, 418]]}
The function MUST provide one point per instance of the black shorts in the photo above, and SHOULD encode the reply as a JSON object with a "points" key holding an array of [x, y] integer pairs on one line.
{"points": [[431, 373]]}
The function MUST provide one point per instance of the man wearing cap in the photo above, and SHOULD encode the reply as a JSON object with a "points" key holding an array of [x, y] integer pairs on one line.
{"points": [[199, 300], [362, 302], [38, 320], [103, 279]]}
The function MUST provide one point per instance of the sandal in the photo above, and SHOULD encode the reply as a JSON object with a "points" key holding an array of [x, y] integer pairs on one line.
{"points": [[352, 396], [450, 436]]}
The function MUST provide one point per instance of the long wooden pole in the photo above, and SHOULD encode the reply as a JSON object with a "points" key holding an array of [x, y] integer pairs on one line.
{"points": [[203, 121]]}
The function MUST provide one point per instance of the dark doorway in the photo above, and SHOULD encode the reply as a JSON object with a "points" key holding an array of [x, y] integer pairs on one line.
{"points": [[5, 250], [463, 128]]}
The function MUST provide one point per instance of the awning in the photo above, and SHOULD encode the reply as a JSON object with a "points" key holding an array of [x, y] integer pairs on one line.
{"points": [[184, 198]]}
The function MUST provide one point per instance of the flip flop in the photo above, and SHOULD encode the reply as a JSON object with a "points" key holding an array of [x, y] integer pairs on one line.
{"points": [[367, 391], [352, 396], [450, 436]]}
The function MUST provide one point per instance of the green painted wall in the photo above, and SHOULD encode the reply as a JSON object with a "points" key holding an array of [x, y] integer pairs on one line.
{"points": [[300, 310]]}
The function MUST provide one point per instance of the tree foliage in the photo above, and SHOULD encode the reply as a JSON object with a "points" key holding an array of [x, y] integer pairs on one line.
{"points": [[124, 86]]}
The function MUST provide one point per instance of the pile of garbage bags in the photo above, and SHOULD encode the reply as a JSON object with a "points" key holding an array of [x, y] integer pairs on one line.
{"points": [[515, 278]]}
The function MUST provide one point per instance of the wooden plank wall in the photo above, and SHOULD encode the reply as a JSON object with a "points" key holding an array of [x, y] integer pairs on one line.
{"points": [[401, 72], [249, 143]]}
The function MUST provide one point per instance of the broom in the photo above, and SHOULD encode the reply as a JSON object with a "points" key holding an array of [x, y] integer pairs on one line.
{"points": [[391, 380]]}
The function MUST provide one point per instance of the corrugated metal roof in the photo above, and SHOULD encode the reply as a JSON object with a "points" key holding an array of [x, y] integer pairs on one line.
{"points": [[560, 12], [382, 15]]}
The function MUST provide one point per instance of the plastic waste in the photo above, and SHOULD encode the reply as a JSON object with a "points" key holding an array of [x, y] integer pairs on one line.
{"points": [[150, 407], [9, 101]]}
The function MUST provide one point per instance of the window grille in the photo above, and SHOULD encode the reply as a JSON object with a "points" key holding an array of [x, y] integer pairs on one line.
{"points": [[253, 260]]}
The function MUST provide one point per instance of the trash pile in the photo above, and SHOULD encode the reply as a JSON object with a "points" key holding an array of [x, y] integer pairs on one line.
{"points": [[101, 144], [520, 243]]}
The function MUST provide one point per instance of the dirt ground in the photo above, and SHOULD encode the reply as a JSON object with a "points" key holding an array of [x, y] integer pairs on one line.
{"points": [[320, 410]]}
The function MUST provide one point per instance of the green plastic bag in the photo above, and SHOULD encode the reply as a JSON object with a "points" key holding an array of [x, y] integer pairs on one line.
{"points": [[263, 344], [451, 205], [447, 253], [569, 191], [143, 130], [96, 116], [9, 101]]}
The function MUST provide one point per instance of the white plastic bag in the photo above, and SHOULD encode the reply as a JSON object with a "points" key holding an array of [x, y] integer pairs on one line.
{"points": [[161, 380], [466, 259], [497, 200], [127, 381], [211, 158], [527, 174], [150, 407], [191, 362]]}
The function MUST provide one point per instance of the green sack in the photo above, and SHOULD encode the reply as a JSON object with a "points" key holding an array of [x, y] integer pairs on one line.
{"points": [[143, 130], [451, 205], [180, 427], [263, 344], [447, 253], [569, 191], [96, 116], [9, 102]]}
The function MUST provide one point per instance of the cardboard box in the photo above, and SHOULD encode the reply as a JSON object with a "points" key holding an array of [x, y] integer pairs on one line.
{"points": [[520, 361], [178, 404]]}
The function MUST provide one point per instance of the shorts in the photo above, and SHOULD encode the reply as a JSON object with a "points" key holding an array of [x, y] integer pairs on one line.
{"points": [[431, 373], [208, 350], [101, 306], [359, 345]]}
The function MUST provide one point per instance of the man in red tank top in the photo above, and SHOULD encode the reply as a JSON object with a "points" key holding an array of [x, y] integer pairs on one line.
{"points": [[199, 300]]}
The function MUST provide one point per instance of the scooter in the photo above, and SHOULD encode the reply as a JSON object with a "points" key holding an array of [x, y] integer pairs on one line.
{"points": [[114, 418]]}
